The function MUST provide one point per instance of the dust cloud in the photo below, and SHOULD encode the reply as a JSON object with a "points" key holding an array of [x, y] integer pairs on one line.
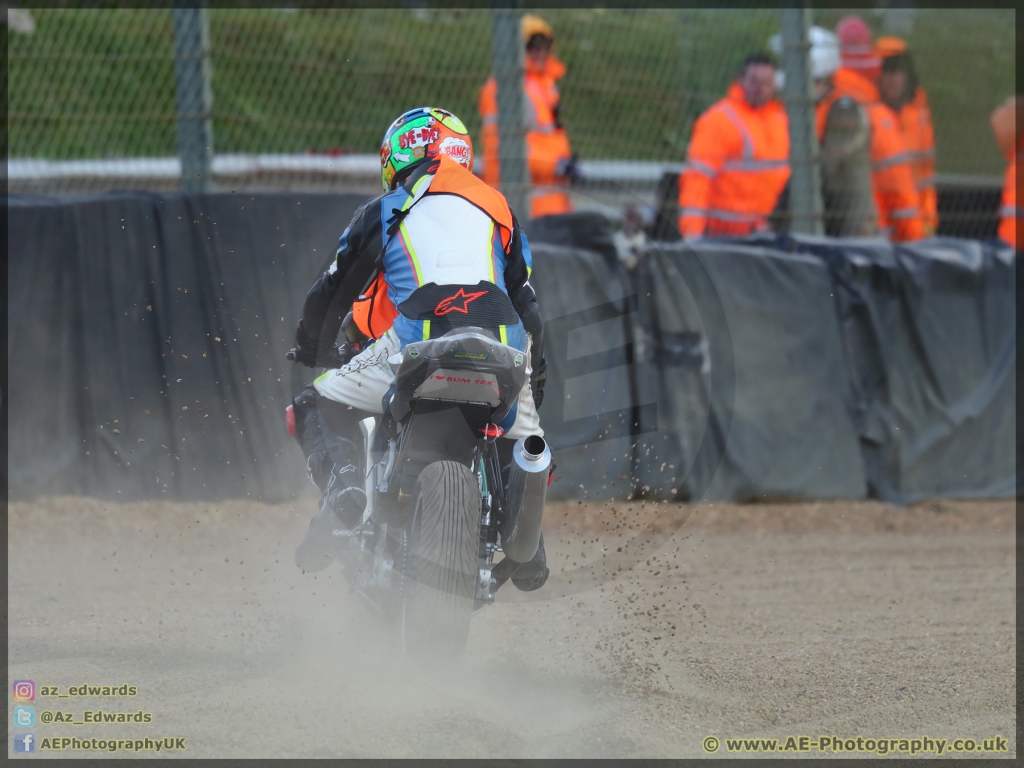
{"points": [[661, 623]]}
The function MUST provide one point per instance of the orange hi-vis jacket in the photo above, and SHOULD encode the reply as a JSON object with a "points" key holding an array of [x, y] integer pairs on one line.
{"points": [[736, 167], [546, 143], [892, 179], [1009, 213], [916, 121]]}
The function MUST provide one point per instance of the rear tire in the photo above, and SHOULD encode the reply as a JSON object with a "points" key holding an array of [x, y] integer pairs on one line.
{"points": [[442, 567]]}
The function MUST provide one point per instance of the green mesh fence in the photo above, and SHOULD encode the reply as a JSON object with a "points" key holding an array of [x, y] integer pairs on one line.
{"points": [[92, 84], [96, 83], [324, 79]]}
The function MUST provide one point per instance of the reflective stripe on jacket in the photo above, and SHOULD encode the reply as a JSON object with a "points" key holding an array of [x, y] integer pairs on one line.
{"points": [[736, 167], [546, 143], [892, 179]]}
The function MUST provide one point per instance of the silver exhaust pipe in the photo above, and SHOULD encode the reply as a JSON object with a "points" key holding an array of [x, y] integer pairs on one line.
{"points": [[527, 492]]}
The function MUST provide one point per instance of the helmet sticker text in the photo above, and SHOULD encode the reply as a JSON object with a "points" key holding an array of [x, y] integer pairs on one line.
{"points": [[456, 149]]}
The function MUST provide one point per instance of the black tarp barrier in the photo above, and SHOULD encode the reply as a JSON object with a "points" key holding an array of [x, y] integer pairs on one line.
{"points": [[843, 367], [589, 413], [930, 337], [749, 369], [583, 230], [751, 382], [119, 386]]}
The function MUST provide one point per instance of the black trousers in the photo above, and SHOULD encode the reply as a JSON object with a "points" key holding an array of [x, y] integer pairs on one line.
{"points": [[329, 435]]}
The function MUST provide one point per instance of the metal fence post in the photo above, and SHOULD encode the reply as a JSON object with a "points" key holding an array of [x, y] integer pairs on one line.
{"points": [[195, 96], [805, 181], [507, 51]]}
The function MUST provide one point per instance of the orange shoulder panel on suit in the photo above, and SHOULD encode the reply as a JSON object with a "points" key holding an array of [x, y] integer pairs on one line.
{"points": [[373, 312], [453, 179]]}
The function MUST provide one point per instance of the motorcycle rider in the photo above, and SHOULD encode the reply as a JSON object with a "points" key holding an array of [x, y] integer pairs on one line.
{"points": [[439, 249]]}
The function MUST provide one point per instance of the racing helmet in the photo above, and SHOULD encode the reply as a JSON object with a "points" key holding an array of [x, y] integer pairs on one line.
{"points": [[420, 135]]}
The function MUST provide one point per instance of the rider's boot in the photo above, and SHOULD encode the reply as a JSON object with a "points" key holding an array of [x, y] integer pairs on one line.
{"points": [[341, 510], [333, 463], [526, 576], [532, 575], [322, 544]]}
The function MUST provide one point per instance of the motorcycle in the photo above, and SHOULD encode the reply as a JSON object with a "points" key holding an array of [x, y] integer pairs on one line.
{"points": [[445, 492]]}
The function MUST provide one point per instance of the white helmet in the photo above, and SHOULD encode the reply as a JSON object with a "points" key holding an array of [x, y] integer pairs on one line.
{"points": [[824, 54]]}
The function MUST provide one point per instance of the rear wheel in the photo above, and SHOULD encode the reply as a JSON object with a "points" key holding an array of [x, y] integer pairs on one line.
{"points": [[441, 568]]}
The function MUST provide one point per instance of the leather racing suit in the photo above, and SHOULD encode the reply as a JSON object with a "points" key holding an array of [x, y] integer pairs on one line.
{"points": [[441, 250]]}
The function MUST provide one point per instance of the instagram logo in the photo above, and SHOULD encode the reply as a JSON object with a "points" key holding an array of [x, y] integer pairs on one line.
{"points": [[24, 690]]}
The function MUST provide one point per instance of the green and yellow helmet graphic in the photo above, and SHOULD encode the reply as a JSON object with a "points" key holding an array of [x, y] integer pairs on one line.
{"points": [[423, 134]]}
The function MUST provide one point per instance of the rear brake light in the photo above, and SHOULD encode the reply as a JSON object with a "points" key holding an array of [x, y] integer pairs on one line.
{"points": [[289, 417], [492, 431]]}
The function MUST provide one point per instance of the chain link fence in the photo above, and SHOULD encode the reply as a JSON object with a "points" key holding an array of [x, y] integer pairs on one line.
{"points": [[301, 97]]}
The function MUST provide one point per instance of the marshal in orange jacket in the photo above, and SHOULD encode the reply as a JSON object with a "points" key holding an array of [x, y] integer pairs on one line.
{"points": [[546, 142], [892, 178], [916, 121], [1009, 213], [1006, 125], [736, 167]]}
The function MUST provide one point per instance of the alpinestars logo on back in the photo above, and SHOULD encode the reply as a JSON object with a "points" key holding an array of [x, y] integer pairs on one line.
{"points": [[457, 303]]}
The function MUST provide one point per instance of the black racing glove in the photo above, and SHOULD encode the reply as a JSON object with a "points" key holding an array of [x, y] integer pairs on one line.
{"points": [[538, 379], [569, 168], [308, 352], [305, 348], [329, 357], [337, 356]]}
